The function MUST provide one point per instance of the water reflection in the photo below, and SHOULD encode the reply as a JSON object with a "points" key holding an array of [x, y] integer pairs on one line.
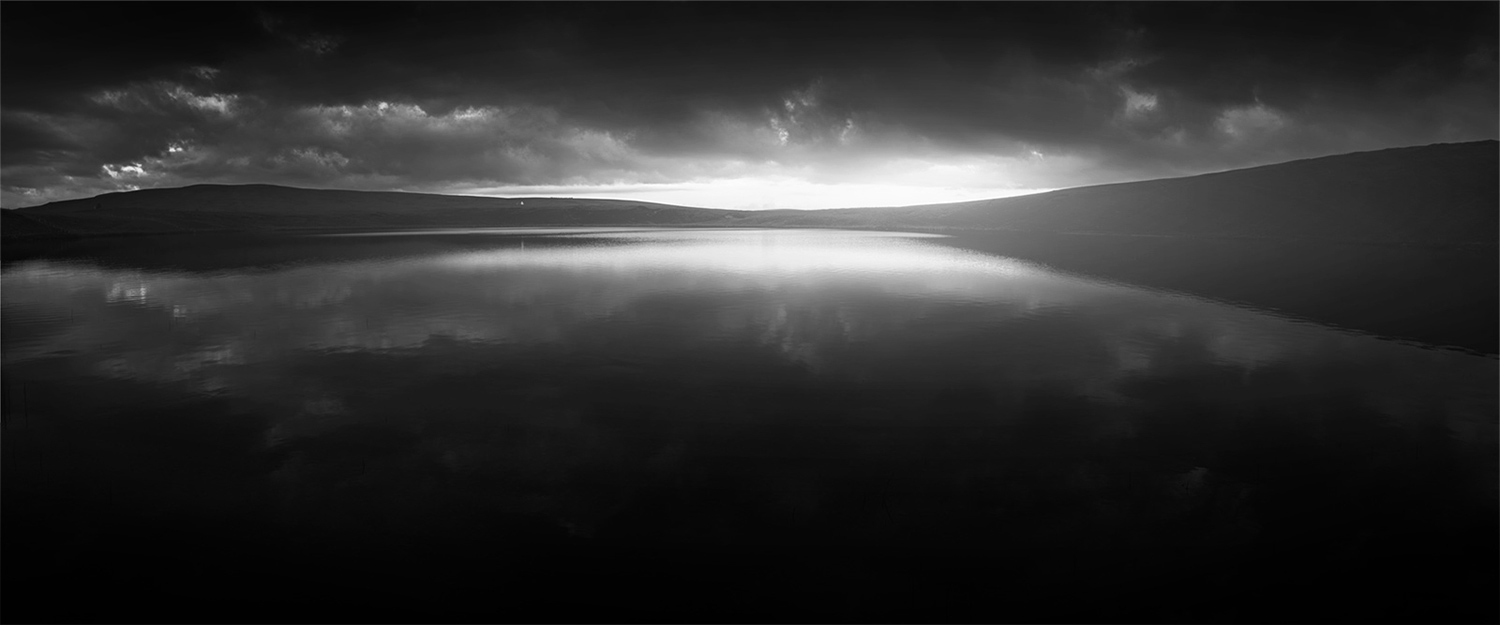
{"points": [[738, 388], [811, 297]]}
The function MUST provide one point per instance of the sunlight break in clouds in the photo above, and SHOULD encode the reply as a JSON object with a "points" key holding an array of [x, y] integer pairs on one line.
{"points": [[800, 157], [729, 107]]}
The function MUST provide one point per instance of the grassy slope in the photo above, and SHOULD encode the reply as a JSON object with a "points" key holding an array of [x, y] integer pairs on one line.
{"points": [[1439, 193], [207, 208], [18, 225]]}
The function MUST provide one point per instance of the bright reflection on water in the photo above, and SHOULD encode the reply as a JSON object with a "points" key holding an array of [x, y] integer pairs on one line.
{"points": [[733, 386]]}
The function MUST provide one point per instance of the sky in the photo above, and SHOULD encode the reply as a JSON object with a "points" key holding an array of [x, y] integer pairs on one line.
{"points": [[727, 105]]}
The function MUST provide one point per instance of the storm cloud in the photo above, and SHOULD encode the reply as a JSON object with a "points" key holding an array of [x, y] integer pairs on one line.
{"points": [[724, 104]]}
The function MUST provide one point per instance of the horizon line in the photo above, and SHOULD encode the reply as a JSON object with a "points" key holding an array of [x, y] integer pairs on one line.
{"points": [[618, 199]]}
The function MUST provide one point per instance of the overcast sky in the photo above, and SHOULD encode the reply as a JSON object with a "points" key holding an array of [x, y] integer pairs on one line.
{"points": [[756, 105]]}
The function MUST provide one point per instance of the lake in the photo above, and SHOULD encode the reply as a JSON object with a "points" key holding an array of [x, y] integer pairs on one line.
{"points": [[617, 424]]}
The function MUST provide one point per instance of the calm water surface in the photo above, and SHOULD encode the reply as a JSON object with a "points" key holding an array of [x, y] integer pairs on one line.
{"points": [[706, 423]]}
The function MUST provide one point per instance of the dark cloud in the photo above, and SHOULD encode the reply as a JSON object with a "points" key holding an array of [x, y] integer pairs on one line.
{"points": [[466, 95]]}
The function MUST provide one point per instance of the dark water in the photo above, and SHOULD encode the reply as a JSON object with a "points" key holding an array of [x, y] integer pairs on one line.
{"points": [[697, 425], [1436, 294]]}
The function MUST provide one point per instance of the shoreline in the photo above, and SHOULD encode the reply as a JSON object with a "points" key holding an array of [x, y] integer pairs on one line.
{"points": [[437, 229]]}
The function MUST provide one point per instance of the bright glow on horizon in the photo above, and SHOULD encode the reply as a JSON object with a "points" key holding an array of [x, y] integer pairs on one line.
{"points": [[760, 194]]}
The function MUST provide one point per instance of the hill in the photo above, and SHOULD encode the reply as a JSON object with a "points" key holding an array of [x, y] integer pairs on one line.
{"points": [[258, 208], [1443, 193], [17, 225]]}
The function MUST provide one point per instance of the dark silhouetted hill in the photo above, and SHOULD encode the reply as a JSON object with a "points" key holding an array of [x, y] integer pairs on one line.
{"points": [[1443, 193], [1437, 193], [257, 207], [18, 225]]}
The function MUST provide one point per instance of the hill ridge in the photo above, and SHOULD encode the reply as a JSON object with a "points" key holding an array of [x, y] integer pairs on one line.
{"points": [[1434, 193]]}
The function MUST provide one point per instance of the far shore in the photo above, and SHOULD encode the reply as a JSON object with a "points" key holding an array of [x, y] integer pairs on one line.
{"points": [[295, 230]]}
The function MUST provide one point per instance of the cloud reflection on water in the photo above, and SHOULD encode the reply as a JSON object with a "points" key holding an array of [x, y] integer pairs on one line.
{"points": [[838, 302], [849, 386]]}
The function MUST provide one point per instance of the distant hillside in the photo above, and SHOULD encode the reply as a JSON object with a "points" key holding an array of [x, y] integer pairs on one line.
{"points": [[219, 208], [1436, 193], [17, 225], [1445, 193]]}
